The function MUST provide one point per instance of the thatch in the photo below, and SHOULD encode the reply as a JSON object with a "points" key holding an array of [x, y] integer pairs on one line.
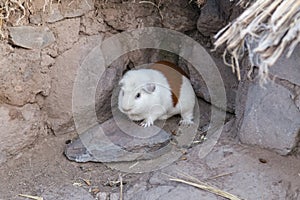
{"points": [[264, 30]]}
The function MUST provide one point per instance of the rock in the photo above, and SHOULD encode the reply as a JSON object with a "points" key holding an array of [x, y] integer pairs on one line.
{"points": [[47, 61], [215, 14], [297, 101], [116, 144], [101, 196], [54, 14], [37, 5], [68, 9], [22, 77], [179, 15], [291, 70], [36, 19], [76, 8], [107, 83], [127, 15], [211, 18], [271, 119], [230, 9], [230, 82], [67, 192], [114, 196], [173, 15], [20, 127], [141, 58], [198, 84], [90, 25], [31, 37], [58, 105], [67, 33], [229, 79]]}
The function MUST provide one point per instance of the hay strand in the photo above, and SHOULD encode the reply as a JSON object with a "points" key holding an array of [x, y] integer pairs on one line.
{"points": [[208, 188], [31, 197]]}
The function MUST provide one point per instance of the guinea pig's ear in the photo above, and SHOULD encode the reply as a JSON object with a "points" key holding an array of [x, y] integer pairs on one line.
{"points": [[149, 87]]}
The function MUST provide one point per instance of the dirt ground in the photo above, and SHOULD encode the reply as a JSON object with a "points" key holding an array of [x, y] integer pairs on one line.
{"points": [[43, 168], [250, 173]]}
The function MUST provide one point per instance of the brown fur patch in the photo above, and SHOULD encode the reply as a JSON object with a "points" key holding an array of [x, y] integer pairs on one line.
{"points": [[174, 74]]}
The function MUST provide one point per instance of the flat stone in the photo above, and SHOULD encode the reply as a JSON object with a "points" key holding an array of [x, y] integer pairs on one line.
{"points": [[31, 37], [271, 118], [67, 192], [76, 8], [68, 9], [66, 32], [112, 144]]}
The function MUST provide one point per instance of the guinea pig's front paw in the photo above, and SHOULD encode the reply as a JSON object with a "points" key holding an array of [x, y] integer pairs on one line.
{"points": [[186, 122], [146, 123]]}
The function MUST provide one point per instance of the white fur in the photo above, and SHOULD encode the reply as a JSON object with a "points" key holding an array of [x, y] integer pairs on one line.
{"points": [[158, 104]]}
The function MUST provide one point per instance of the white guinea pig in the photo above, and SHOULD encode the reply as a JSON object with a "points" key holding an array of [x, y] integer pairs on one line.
{"points": [[158, 92]]}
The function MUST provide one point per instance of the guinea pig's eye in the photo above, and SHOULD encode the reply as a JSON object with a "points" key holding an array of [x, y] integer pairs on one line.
{"points": [[138, 95]]}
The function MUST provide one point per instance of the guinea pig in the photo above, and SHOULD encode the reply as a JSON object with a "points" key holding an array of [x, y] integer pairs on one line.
{"points": [[158, 92]]}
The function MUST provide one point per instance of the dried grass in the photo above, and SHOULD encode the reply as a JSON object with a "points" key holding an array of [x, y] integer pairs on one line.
{"points": [[12, 9], [192, 181], [15, 12], [206, 187], [31, 197], [265, 30]]}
